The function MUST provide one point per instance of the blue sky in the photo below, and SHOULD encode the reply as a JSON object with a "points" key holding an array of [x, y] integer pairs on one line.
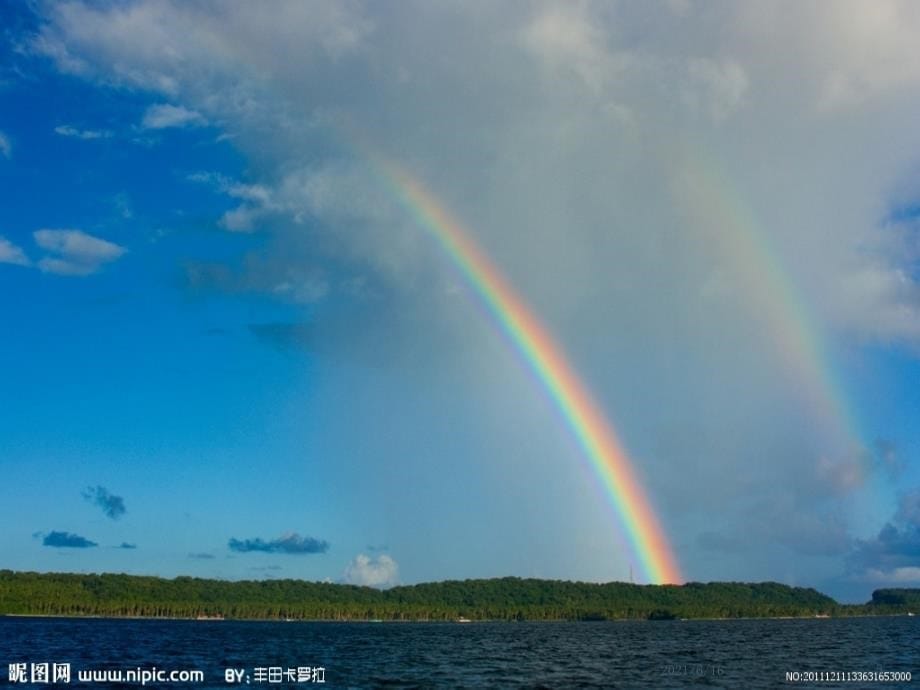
{"points": [[220, 322]]}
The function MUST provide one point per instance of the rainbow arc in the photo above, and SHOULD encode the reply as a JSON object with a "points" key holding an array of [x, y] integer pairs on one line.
{"points": [[546, 359]]}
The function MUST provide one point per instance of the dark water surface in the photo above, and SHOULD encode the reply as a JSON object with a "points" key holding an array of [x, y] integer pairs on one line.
{"points": [[665, 654]]}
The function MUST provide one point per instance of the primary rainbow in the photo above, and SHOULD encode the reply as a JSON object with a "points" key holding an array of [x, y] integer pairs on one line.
{"points": [[547, 360]]}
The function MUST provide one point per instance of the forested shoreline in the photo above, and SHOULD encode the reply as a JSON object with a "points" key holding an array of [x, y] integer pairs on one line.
{"points": [[508, 598]]}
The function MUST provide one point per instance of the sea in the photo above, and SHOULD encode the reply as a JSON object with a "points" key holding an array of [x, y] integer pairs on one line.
{"points": [[870, 652]]}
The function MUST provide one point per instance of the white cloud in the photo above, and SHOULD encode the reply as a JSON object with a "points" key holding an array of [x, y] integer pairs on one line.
{"points": [[5, 148], [78, 245], [255, 193], [719, 87], [257, 200], [570, 41], [85, 134], [313, 289], [210, 178], [11, 254], [875, 51], [895, 576], [150, 45], [381, 571], [241, 219], [74, 253], [65, 267], [879, 297], [841, 55], [335, 193], [165, 115]]}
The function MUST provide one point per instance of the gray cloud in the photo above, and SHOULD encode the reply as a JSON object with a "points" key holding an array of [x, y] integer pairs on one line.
{"points": [[908, 512], [113, 506], [66, 540], [264, 273], [782, 524], [610, 173], [372, 334], [128, 547], [897, 545], [290, 543], [201, 556]]}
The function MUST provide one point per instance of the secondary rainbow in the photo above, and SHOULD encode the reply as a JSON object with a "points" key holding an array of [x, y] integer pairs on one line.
{"points": [[732, 233], [547, 360]]}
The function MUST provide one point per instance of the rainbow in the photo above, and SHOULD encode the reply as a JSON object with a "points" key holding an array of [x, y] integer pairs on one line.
{"points": [[548, 362], [732, 233]]}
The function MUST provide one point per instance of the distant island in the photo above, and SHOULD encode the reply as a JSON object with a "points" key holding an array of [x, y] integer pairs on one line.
{"points": [[507, 598]]}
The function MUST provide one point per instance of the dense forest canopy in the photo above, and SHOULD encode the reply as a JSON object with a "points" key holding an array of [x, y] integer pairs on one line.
{"points": [[508, 598]]}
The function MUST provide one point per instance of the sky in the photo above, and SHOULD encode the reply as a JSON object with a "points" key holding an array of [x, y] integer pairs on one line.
{"points": [[230, 349]]}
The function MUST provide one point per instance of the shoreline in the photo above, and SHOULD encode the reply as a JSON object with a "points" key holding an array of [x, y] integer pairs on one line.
{"points": [[378, 621], [132, 597]]}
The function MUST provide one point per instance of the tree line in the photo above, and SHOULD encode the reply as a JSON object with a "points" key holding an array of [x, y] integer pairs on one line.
{"points": [[509, 598]]}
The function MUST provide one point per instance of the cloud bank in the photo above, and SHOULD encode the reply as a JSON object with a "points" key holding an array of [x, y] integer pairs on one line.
{"points": [[291, 543], [66, 540]]}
